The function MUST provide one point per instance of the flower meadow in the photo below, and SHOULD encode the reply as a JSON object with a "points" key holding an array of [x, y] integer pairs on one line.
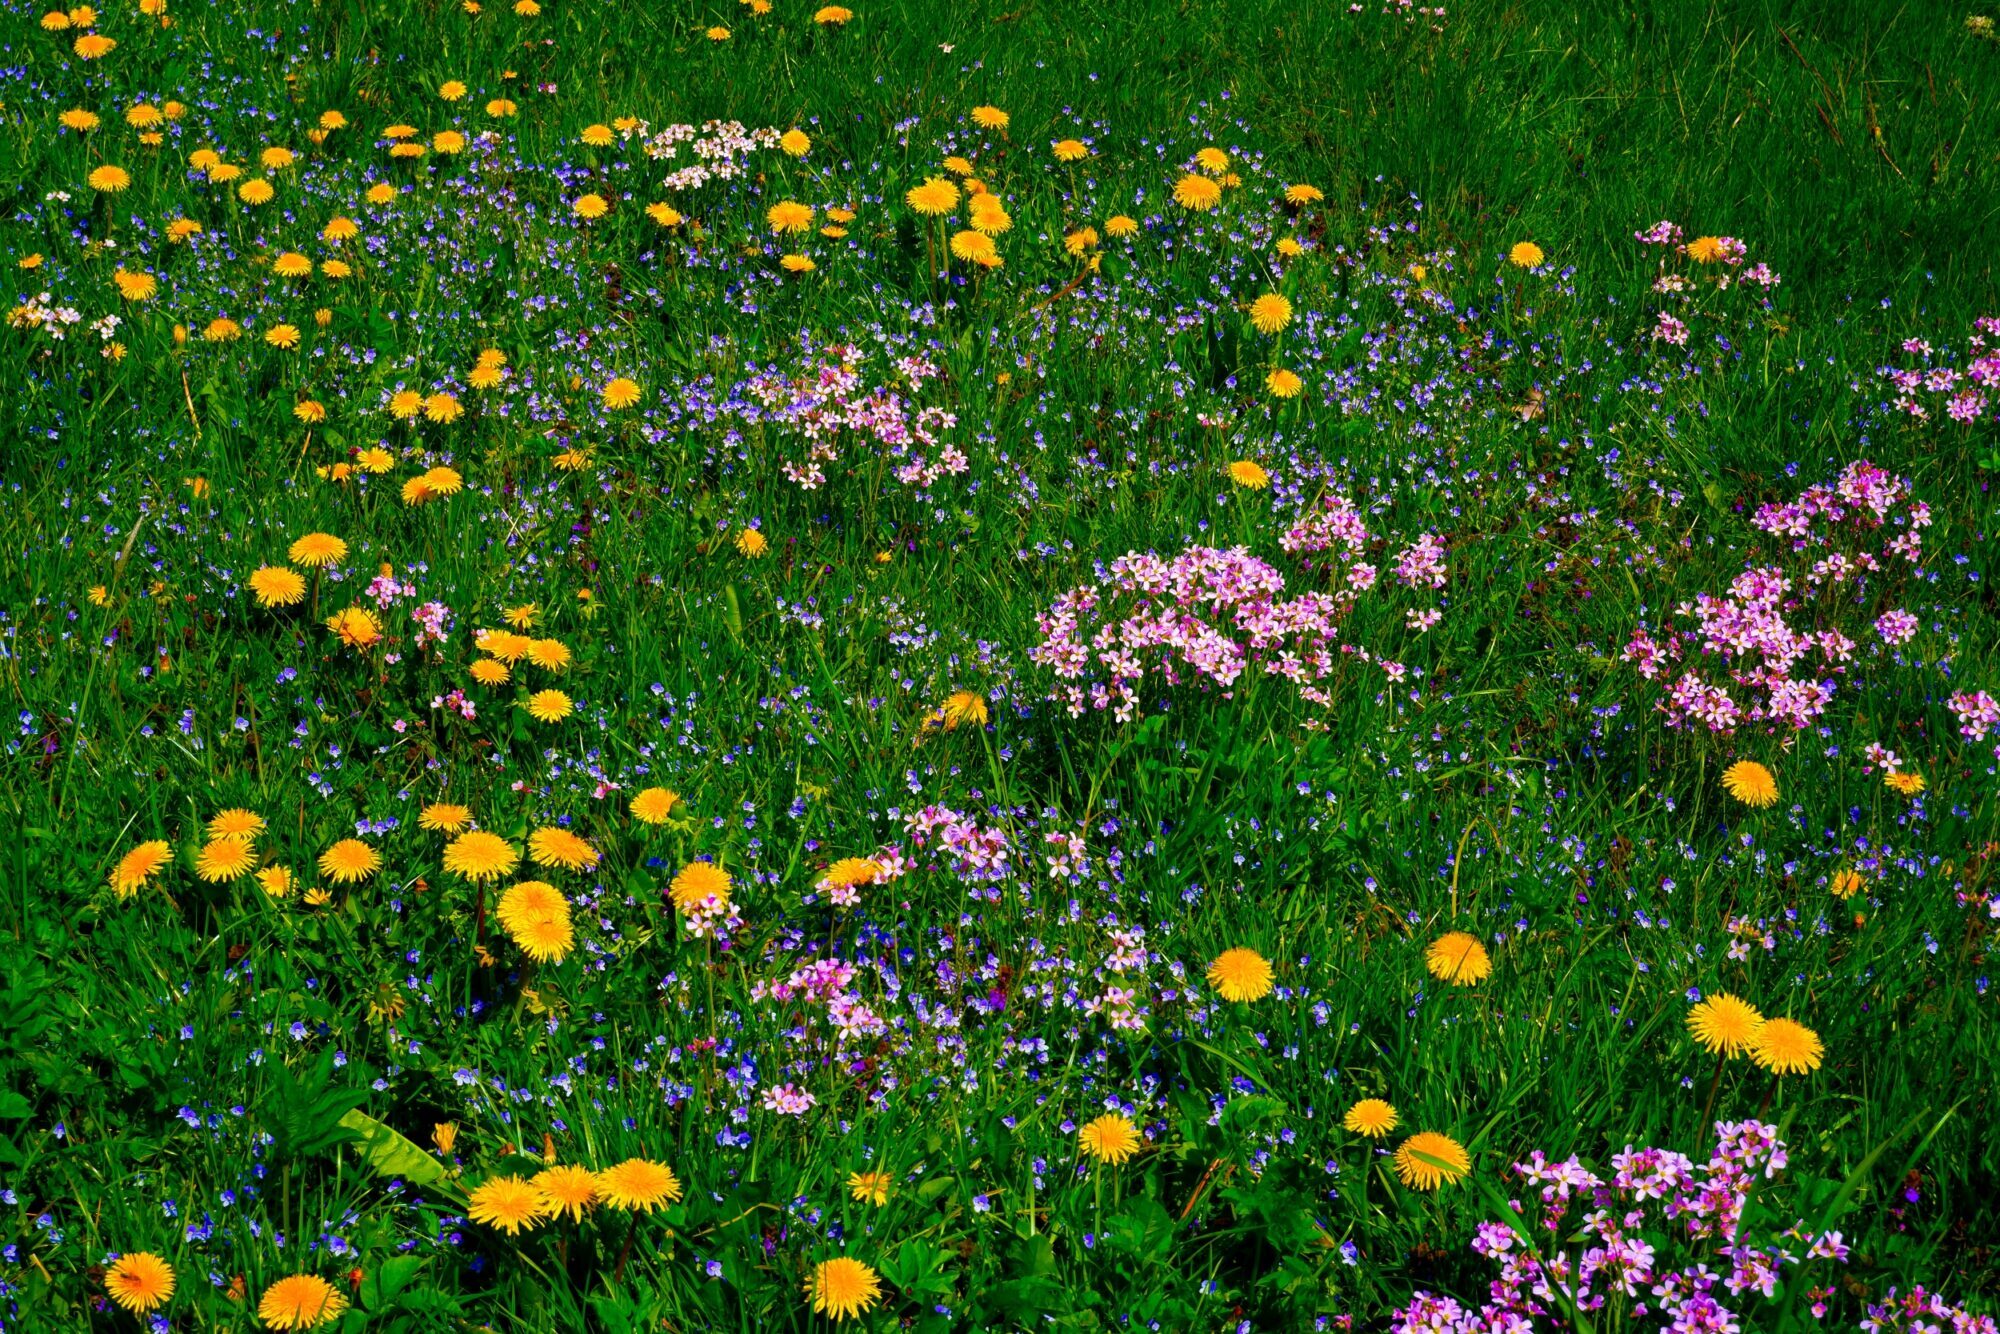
{"points": [[706, 669]]}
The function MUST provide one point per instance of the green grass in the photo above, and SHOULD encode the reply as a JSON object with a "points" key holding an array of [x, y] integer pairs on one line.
{"points": [[1583, 477]]}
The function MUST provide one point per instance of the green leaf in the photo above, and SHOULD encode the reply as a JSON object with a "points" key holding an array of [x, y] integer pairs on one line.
{"points": [[389, 1153]]}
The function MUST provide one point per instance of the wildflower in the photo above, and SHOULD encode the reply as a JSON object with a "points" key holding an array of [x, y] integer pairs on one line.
{"points": [[93, 46], [1427, 1160], [1750, 783], [556, 846], [1240, 975], [309, 411], [718, 34], [549, 706], [225, 859], [638, 1184], [1109, 1139], [788, 216], [507, 1203], [480, 856], [302, 1301], [1283, 383], [1706, 249], [1270, 313], [355, 627], [1457, 957], [487, 672], [349, 860], [549, 654], [962, 707], [1371, 1117], [869, 1188], [697, 882], [1908, 782], [1847, 882], [752, 543], [589, 206], [797, 263], [1303, 194], [140, 865], [1196, 193], [109, 179], [843, 1287], [1724, 1025], [277, 585], [1525, 254], [284, 336], [236, 823], [317, 549], [935, 197], [568, 1189], [1785, 1047], [1069, 150], [276, 881], [654, 805], [1249, 475], [139, 1281], [795, 143], [1120, 225], [666, 215], [973, 245], [621, 393], [135, 286], [444, 817]]}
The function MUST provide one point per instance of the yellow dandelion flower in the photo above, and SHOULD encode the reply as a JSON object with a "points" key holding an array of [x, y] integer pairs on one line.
{"points": [[1525, 255], [654, 805], [225, 859], [1109, 1139], [1249, 475], [303, 1301], [638, 1184], [1427, 1160], [139, 1281], [1786, 1047], [1240, 975], [478, 855], [549, 706], [140, 865], [1457, 957], [1371, 1117], [1270, 313], [843, 1288], [1724, 1024], [697, 882], [509, 1204], [1750, 783], [348, 861]]}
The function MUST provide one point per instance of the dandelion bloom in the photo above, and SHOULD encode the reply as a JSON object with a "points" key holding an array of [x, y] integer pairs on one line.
{"points": [[549, 654], [509, 1204], [797, 263], [349, 860], [698, 881], [478, 855], [1724, 1024], [92, 45], [1457, 957], [1371, 1117], [309, 410], [654, 805], [236, 822], [355, 627], [1847, 882], [795, 142], [1706, 249], [317, 549], [962, 707], [1247, 474], [549, 706], [1197, 193], [973, 245], [556, 846], [109, 179], [487, 672], [527, 900], [284, 336], [140, 865], [718, 34], [569, 1189], [1070, 150], [843, 1287], [851, 871], [225, 859], [222, 330], [1283, 383], [788, 216], [1786, 1047], [522, 617], [302, 1301], [1240, 975], [501, 107], [544, 939], [752, 543], [869, 1188], [406, 404], [1427, 1160], [1750, 783], [1907, 783], [621, 393], [638, 1184], [1118, 224], [589, 206], [276, 880], [1303, 194], [451, 90], [664, 214], [936, 196], [139, 1281], [1109, 1139], [442, 407], [135, 286], [1525, 254], [1270, 313]]}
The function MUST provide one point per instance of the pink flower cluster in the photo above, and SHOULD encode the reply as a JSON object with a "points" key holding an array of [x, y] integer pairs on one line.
{"points": [[1920, 1312], [1208, 616], [1977, 713], [1653, 1193], [827, 982], [1747, 631], [1918, 389], [973, 854], [835, 398]]}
